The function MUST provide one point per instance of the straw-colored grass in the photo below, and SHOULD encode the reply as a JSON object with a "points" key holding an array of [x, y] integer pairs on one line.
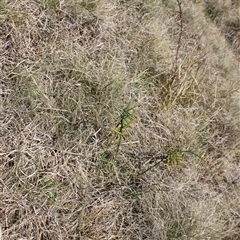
{"points": [[119, 120]]}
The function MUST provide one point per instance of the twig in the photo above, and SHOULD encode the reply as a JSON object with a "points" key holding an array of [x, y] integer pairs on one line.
{"points": [[175, 65]]}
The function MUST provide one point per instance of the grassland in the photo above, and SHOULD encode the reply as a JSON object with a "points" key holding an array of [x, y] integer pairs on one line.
{"points": [[119, 119]]}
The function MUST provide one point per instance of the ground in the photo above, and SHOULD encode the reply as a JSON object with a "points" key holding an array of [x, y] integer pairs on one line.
{"points": [[119, 119]]}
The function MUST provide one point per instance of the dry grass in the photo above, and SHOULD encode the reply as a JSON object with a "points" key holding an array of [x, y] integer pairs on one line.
{"points": [[105, 134]]}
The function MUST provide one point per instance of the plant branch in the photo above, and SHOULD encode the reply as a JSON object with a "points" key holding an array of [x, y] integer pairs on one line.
{"points": [[175, 65]]}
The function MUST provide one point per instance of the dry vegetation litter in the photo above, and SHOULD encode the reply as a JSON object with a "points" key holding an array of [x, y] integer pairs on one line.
{"points": [[119, 119]]}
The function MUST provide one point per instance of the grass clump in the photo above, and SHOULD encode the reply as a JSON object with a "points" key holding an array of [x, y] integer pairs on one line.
{"points": [[119, 120]]}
